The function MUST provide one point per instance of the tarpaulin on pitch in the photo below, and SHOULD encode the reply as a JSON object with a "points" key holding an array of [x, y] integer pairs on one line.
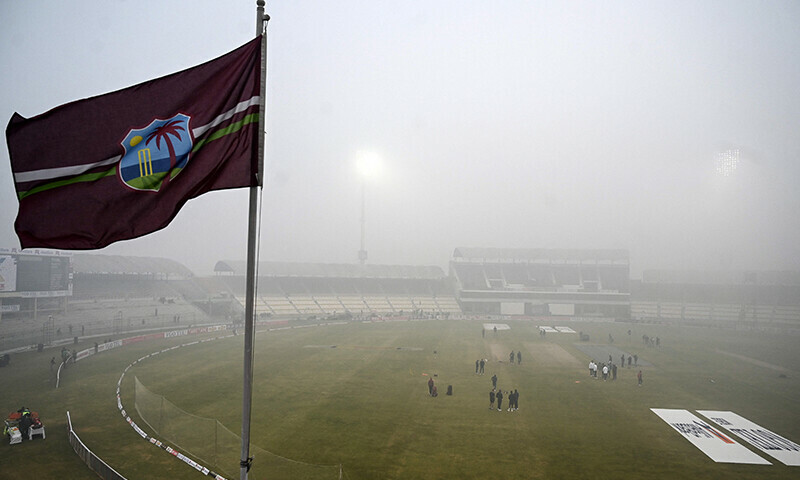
{"points": [[717, 445], [774, 445]]}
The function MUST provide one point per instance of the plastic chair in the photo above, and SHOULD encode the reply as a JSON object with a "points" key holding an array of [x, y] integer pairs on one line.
{"points": [[36, 431]]}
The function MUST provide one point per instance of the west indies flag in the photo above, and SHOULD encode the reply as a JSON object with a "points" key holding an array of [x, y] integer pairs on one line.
{"points": [[121, 165]]}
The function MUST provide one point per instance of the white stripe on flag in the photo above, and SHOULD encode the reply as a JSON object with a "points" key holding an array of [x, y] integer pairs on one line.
{"points": [[49, 173], [240, 107], [709, 440], [779, 448]]}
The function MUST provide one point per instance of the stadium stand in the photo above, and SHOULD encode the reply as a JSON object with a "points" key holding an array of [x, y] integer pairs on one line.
{"points": [[765, 300], [109, 295], [311, 289], [542, 282]]}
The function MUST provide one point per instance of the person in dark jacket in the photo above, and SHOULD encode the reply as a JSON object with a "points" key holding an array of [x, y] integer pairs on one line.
{"points": [[499, 400], [25, 422]]}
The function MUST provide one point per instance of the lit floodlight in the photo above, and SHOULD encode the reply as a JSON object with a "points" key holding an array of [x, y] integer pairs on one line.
{"points": [[368, 165], [727, 161]]}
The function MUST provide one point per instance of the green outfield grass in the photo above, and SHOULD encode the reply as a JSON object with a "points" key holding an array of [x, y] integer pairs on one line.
{"points": [[364, 404]]}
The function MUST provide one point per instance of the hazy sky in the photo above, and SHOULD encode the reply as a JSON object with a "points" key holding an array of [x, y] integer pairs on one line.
{"points": [[519, 124]]}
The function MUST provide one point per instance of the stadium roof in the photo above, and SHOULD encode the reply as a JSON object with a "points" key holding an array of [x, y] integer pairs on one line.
{"points": [[330, 270], [83, 263], [542, 254]]}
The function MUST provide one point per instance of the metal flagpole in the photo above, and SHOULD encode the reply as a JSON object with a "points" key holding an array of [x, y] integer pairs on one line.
{"points": [[252, 234]]}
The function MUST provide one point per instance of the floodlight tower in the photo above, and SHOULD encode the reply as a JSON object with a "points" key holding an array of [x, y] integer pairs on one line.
{"points": [[368, 165], [362, 253]]}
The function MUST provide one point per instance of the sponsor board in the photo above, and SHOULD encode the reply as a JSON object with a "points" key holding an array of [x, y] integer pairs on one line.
{"points": [[774, 445], [176, 333], [83, 354], [715, 444], [109, 345], [565, 330]]}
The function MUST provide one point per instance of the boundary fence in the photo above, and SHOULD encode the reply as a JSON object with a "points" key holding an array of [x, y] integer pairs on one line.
{"points": [[95, 463], [274, 325]]}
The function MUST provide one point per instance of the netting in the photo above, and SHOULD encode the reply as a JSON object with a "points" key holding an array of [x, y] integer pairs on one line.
{"points": [[214, 445]]}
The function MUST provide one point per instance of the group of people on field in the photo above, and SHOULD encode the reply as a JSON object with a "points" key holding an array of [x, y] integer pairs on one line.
{"points": [[432, 390], [498, 395], [609, 371], [480, 364], [650, 341]]}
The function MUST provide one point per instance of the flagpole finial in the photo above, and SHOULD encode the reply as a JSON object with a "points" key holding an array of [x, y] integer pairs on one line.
{"points": [[262, 19]]}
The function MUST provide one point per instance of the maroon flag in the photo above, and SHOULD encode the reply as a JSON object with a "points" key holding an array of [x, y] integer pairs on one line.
{"points": [[121, 165]]}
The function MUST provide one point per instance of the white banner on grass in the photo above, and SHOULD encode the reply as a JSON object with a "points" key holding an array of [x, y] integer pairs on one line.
{"points": [[718, 446], [779, 448]]}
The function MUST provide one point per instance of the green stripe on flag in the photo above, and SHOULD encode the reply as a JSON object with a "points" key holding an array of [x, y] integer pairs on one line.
{"points": [[87, 177], [232, 128]]}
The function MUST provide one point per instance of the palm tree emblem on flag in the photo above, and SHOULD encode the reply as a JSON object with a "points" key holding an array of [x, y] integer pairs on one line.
{"points": [[155, 154]]}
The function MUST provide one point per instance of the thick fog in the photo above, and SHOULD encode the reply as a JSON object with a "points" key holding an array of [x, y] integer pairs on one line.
{"points": [[519, 124]]}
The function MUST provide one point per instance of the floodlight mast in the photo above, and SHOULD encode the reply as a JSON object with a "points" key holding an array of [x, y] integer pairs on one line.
{"points": [[362, 254], [368, 167]]}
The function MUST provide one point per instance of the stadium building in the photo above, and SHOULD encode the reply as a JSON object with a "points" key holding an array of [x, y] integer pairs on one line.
{"points": [[543, 282], [34, 280], [50, 297]]}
